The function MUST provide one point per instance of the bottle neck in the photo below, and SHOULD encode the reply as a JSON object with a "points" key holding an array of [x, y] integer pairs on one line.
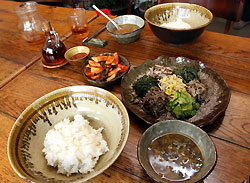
{"points": [[47, 28], [50, 34]]}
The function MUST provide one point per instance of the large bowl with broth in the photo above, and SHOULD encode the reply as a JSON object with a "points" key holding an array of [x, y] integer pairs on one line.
{"points": [[178, 23], [131, 28], [100, 107], [175, 151]]}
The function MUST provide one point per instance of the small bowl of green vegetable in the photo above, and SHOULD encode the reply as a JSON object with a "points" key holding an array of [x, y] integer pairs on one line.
{"points": [[169, 88]]}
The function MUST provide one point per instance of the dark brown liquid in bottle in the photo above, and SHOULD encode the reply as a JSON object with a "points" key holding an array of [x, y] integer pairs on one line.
{"points": [[53, 49], [175, 157], [53, 54]]}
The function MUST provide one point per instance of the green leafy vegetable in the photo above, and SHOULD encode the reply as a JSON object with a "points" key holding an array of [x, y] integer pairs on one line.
{"points": [[183, 105], [142, 85], [187, 73]]}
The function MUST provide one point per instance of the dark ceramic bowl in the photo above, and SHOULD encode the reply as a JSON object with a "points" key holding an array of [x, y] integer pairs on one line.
{"points": [[193, 132], [116, 80], [218, 91], [178, 23]]}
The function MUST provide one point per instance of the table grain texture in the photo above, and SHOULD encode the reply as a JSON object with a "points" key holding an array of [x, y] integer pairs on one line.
{"points": [[226, 54], [18, 54]]}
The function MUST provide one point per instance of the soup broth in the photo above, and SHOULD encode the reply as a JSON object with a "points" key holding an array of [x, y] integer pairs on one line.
{"points": [[125, 28], [175, 157]]}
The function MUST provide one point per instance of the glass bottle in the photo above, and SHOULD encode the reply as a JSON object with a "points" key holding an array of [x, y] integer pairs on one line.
{"points": [[29, 21], [53, 49]]}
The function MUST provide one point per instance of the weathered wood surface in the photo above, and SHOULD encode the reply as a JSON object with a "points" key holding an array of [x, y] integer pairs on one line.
{"points": [[16, 54], [228, 55]]}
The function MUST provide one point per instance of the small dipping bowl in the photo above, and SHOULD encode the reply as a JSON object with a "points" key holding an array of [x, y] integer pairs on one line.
{"points": [[189, 131], [76, 52], [130, 37]]}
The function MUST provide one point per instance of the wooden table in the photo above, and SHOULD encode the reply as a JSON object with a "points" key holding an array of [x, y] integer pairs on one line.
{"points": [[16, 53], [29, 80]]}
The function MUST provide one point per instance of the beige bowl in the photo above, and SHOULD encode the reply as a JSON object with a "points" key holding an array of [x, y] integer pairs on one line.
{"points": [[26, 138], [75, 50]]}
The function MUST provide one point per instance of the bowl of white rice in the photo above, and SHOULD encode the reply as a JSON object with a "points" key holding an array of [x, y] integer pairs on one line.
{"points": [[178, 23], [69, 135]]}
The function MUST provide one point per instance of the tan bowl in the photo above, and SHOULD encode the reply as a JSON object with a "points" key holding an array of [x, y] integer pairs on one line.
{"points": [[75, 50], [26, 138], [197, 17]]}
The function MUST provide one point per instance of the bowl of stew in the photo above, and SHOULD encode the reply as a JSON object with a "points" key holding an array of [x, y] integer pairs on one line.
{"points": [[131, 28], [175, 151], [77, 54]]}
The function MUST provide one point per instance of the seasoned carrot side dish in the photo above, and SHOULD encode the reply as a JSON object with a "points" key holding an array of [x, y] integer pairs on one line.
{"points": [[104, 68]]}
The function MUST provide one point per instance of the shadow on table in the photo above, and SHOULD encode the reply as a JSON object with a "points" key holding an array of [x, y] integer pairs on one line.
{"points": [[215, 125]]}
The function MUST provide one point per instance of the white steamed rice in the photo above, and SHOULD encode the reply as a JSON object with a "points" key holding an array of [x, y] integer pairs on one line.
{"points": [[74, 146], [177, 24]]}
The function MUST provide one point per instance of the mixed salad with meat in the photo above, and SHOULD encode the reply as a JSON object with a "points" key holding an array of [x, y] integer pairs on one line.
{"points": [[162, 89]]}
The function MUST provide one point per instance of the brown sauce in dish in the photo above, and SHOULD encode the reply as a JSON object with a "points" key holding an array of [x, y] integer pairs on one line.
{"points": [[175, 157], [125, 28]]}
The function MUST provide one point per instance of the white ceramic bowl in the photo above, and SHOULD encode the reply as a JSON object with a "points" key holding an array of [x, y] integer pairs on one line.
{"points": [[26, 138]]}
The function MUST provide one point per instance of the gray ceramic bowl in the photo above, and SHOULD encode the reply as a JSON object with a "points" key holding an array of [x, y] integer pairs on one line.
{"points": [[26, 138], [178, 23], [195, 133], [116, 80], [127, 37]]}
